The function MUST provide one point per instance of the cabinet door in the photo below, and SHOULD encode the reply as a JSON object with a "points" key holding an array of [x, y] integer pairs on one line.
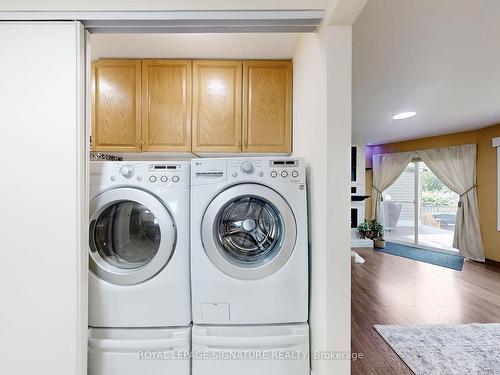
{"points": [[166, 105], [267, 110], [116, 106], [44, 154], [217, 106]]}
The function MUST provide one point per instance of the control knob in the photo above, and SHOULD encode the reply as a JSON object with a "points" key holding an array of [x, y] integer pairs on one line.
{"points": [[127, 171], [247, 167], [175, 179]]}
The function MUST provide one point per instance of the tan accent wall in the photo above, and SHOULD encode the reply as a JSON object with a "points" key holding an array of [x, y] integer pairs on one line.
{"points": [[486, 175]]}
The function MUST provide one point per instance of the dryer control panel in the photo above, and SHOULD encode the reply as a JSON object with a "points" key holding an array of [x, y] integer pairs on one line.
{"points": [[287, 169], [149, 174]]}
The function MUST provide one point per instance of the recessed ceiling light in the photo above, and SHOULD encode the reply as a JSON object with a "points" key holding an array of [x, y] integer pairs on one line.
{"points": [[404, 115]]}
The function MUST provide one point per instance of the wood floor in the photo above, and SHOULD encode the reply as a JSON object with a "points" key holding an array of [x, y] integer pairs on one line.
{"points": [[388, 289]]}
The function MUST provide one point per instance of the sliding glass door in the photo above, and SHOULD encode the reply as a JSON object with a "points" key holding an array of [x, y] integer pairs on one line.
{"points": [[420, 209], [399, 207]]}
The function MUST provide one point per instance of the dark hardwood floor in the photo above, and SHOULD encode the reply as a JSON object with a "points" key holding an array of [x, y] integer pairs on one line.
{"points": [[388, 289]]}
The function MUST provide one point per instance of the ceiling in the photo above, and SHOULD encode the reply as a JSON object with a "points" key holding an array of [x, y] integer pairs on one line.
{"points": [[440, 59]]}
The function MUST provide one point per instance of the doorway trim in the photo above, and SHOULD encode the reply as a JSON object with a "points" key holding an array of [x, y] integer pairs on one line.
{"points": [[261, 21]]}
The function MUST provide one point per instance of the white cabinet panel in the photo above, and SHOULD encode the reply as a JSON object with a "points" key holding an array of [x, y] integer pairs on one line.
{"points": [[43, 195]]}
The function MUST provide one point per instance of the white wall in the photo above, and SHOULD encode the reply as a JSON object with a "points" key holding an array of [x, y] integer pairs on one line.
{"points": [[196, 46], [309, 119], [322, 131], [44, 203], [339, 195]]}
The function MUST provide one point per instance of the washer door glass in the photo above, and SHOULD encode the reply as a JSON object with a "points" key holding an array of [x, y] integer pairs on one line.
{"points": [[132, 236], [249, 230], [127, 235]]}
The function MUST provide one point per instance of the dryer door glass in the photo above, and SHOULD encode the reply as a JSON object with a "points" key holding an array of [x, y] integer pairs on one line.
{"points": [[132, 236], [127, 235], [249, 230]]}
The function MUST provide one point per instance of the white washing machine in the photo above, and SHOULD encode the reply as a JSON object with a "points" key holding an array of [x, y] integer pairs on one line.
{"points": [[139, 244], [249, 246]]}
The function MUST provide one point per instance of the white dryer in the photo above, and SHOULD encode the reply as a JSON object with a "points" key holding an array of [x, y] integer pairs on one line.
{"points": [[249, 247], [139, 244]]}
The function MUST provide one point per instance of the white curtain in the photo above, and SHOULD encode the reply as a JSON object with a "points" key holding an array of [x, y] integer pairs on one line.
{"points": [[386, 169], [456, 167]]}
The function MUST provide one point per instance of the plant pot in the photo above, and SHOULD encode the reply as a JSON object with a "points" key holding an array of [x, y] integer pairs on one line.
{"points": [[379, 244], [362, 235]]}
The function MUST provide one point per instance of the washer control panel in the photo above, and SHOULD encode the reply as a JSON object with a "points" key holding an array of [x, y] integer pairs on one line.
{"points": [[280, 170]]}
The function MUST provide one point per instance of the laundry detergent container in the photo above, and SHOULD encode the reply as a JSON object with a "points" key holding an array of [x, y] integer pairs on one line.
{"points": [[132, 351], [251, 350]]}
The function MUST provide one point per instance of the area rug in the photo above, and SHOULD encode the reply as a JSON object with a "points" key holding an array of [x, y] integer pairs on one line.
{"points": [[455, 262], [446, 349]]}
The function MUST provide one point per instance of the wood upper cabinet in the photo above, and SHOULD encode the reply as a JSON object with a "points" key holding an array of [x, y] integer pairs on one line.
{"points": [[200, 106], [217, 106], [166, 105], [116, 105], [267, 106]]}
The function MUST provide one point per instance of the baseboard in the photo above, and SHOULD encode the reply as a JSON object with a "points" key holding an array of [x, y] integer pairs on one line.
{"points": [[492, 263]]}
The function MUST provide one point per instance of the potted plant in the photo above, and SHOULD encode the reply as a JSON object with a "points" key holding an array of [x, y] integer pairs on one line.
{"points": [[363, 229], [379, 242], [373, 229], [376, 233]]}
